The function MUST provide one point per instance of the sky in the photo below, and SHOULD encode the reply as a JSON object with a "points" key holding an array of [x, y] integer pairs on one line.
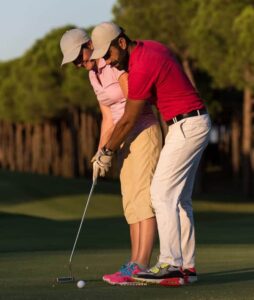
{"points": [[22, 22]]}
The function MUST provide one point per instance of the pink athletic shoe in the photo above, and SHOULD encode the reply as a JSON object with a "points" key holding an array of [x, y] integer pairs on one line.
{"points": [[107, 277], [123, 277]]}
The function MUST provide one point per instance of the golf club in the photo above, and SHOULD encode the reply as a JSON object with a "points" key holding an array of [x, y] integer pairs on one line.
{"points": [[70, 278]]}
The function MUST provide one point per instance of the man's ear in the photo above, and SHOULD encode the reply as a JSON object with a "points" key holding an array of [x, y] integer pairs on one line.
{"points": [[90, 45], [122, 43]]}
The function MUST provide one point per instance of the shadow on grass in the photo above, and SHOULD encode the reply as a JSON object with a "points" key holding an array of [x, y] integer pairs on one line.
{"points": [[23, 233], [224, 228], [231, 276], [24, 187]]}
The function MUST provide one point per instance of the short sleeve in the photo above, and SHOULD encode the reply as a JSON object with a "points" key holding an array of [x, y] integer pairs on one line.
{"points": [[117, 72], [91, 75]]}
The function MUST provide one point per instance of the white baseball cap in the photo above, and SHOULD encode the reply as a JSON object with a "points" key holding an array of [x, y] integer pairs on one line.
{"points": [[102, 35], [71, 43]]}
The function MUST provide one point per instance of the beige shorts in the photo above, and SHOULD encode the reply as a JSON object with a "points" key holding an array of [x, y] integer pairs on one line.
{"points": [[138, 158]]}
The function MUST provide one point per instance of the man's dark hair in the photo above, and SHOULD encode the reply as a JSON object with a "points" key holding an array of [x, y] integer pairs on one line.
{"points": [[114, 42], [122, 34]]}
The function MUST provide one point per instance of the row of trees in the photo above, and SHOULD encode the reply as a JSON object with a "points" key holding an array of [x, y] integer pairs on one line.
{"points": [[49, 121], [212, 39], [61, 147]]}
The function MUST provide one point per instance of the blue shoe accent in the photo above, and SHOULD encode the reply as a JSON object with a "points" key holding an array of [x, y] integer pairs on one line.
{"points": [[124, 266], [130, 268]]}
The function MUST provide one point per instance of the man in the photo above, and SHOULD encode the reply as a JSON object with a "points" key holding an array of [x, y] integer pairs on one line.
{"points": [[155, 75]]}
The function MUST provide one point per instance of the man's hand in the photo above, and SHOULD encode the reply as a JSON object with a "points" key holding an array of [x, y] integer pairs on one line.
{"points": [[102, 163]]}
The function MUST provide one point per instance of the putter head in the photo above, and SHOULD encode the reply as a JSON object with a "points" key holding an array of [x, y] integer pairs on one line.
{"points": [[65, 279]]}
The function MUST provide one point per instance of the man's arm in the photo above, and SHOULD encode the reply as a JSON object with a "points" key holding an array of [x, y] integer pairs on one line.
{"points": [[133, 109]]}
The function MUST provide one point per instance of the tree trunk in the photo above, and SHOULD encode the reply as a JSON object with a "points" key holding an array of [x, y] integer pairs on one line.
{"points": [[73, 123], [82, 145], [56, 149], [1, 145], [4, 143], [19, 147], [247, 141], [67, 151], [36, 149], [188, 71], [235, 145], [88, 141], [28, 147], [47, 145], [11, 146]]}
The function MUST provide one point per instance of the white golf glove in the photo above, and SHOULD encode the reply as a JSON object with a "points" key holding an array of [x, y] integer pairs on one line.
{"points": [[95, 156], [101, 162]]}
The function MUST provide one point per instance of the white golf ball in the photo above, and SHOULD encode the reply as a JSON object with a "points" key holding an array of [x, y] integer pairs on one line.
{"points": [[81, 284]]}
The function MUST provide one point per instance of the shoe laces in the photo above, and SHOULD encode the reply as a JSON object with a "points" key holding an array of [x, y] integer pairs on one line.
{"points": [[155, 269], [124, 266], [129, 269]]}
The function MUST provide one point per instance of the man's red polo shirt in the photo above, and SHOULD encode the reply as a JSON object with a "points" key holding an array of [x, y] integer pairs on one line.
{"points": [[155, 74]]}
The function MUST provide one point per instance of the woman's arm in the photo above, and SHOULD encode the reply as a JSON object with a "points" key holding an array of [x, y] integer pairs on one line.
{"points": [[123, 81], [107, 125]]}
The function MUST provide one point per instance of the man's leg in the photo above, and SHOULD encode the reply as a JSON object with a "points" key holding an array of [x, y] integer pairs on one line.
{"points": [[187, 229], [173, 181], [187, 220], [171, 192]]}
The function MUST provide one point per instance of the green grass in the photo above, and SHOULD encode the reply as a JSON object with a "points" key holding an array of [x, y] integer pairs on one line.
{"points": [[39, 218]]}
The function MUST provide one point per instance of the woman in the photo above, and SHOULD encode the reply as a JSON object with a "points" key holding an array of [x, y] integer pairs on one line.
{"points": [[138, 155]]}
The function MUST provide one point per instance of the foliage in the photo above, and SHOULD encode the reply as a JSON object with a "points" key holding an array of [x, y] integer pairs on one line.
{"points": [[243, 28], [216, 34], [165, 21], [223, 35], [34, 87]]}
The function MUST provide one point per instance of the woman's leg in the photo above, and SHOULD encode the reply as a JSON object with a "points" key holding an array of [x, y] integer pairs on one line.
{"points": [[147, 230], [139, 157], [134, 236]]}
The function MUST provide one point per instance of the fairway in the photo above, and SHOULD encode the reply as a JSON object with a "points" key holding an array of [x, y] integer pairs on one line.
{"points": [[40, 216]]}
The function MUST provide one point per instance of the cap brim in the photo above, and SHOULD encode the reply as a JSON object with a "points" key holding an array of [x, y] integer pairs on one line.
{"points": [[100, 52], [71, 55]]}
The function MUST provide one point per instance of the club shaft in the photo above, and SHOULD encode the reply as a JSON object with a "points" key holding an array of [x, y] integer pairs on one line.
{"points": [[81, 222]]}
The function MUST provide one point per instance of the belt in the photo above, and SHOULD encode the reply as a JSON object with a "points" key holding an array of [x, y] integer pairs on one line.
{"points": [[192, 113]]}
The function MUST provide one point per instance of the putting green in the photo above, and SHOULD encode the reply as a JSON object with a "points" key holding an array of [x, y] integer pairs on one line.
{"points": [[225, 273], [39, 220]]}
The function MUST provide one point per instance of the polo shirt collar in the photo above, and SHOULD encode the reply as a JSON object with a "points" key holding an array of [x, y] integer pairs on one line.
{"points": [[101, 64]]}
